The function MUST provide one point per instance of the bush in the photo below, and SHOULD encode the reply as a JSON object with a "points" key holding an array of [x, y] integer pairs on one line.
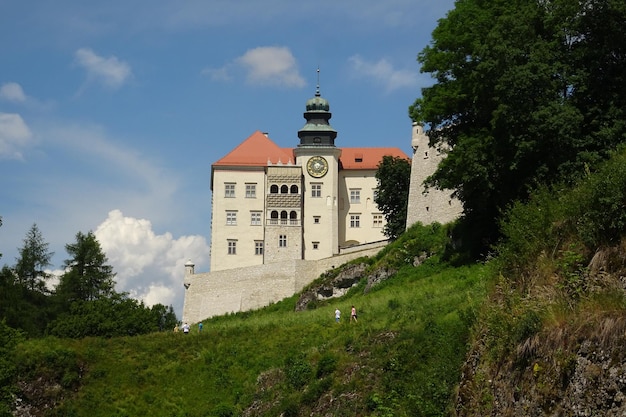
{"points": [[326, 366], [298, 371]]}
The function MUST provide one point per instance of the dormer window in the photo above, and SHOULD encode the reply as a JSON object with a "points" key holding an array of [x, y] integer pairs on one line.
{"points": [[358, 157]]}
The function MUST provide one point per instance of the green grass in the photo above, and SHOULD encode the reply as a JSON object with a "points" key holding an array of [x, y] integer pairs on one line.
{"points": [[402, 358]]}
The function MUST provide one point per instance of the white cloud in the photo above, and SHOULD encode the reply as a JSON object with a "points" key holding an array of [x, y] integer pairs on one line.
{"points": [[149, 266], [271, 65], [14, 135], [265, 65], [384, 73], [12, 92], [110, 71]]}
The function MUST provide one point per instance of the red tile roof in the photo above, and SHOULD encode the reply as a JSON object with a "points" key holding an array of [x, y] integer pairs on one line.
{"points": [[258, 149], [366, 158]]}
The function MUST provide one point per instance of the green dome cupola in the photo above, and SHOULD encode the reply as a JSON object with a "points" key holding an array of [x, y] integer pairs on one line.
{"points": [[317, 130]]}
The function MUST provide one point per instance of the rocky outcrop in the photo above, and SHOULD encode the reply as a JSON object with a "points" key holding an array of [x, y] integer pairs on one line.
{"points": [[336, 286]]}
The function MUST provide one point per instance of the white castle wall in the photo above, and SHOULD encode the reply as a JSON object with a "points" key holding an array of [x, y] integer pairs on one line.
{"points": [[240, 289], [435, 205]]}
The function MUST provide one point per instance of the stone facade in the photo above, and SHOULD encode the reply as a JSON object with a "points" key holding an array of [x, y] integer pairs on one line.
{"points": [[241, 289], [433, 205]]}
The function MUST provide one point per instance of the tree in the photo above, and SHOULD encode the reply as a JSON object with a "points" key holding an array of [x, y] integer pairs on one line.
{"points": [[526, 93], [33, 259], [393, 176], [86, 277]]}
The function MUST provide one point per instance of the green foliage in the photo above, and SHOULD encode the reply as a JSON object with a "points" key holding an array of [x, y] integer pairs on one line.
{"points": [[563, 225], [21, 307], [326, 365], [526, 93], [298, 371], [393, 176], [597, 206], [9, 338], [87, 275], [418, 243], [116, 315], [33, 260], [275, 361]]}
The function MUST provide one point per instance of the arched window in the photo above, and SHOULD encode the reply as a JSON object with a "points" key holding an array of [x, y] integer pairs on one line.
{"points": [[294, 189], [283, 214], [274, 214], [284, 189], [274, 189], [293, 215]]}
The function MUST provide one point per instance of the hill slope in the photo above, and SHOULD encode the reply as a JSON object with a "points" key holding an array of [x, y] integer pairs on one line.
{"points": [[402, 357]]}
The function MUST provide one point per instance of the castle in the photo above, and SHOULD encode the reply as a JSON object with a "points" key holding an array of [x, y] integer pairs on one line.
{"points": [[280, 217]]}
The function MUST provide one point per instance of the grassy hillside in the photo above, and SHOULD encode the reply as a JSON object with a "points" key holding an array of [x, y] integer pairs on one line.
{"points": [[402, 358]]}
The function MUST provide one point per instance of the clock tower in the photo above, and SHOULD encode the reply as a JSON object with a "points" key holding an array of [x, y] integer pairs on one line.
{"points": [[319, 158]]}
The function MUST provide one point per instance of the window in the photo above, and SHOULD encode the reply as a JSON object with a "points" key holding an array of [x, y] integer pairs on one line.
{"points": [[229, 190], [355, 220], [378, 220], [250, 190], [258, 247], [316, 219], [316, 245], [284, 189], [273, 189], [232, 247], [255, 218], [282, 241], [293, 189], [355, 195], [316, 190], [231, 218], [375, 193]]}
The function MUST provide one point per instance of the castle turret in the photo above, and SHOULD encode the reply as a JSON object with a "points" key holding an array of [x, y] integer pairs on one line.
{"points": [[189, 272], [432, 205]]}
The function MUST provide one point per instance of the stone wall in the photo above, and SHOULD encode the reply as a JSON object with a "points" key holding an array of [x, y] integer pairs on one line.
{"points": [[436, 205], [240, 289]]}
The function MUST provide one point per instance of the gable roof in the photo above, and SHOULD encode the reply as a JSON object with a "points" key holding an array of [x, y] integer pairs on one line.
{"points": [[256, 151]]}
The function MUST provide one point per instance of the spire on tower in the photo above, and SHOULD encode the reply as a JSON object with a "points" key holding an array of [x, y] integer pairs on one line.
{"points": [[317, 90]]}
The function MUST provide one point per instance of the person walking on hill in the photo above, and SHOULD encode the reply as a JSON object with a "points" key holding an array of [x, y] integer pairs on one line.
{"points": [[353, 314], [337, 315], [186, 328], [200, 327]]}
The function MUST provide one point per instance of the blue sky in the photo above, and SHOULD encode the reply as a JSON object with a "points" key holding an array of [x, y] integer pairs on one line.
{"points": [[111, 113]]}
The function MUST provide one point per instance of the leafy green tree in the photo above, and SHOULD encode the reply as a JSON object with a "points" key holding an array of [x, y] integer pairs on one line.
{"points": [[87, 277], [9, 338], [34, 258], [111, 316], [164, 317], [525, 93], [393, 176]]}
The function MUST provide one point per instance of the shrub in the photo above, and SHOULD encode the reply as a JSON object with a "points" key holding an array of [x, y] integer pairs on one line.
{"points": [[326, 365], [298, 371]]}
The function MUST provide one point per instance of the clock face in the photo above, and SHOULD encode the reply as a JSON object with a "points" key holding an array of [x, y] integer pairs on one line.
{"points": [[317, 166]]}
